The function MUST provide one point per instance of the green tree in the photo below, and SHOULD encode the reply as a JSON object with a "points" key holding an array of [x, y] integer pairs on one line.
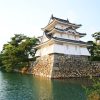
{"points": [[94, 47], [96, 36], [93, 91], [16, 53], [0, 60], [91, 47]]}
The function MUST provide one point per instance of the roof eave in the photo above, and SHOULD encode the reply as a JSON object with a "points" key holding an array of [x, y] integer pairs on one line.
{"points": [[69, 42], [42, 44], [82, 35], [54, 30], [70, 24], [50, 24]]}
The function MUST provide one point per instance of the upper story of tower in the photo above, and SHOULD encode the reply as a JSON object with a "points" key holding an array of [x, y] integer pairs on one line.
{"points": [[61, 28]]}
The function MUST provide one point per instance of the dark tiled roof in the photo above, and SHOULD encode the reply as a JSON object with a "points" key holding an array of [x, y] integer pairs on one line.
{"points": [[68, 40], [59, 29], [49, 36], [68, 29], [82, 33], [62, 20], [62, 29], [66, 21]]}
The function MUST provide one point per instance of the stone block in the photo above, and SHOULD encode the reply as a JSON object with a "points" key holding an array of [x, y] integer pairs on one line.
{"points": [[62, 66]]}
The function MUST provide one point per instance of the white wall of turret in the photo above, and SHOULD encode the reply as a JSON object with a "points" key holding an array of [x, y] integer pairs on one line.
{"points": [[66, 36], [45, 50], [69, 49], [62, 35], [63, 48], [44, 38], [61, 26]]}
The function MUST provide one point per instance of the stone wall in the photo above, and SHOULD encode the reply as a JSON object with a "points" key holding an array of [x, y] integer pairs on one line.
{"points": [[62, 66], [43, 66], [73, 66]]}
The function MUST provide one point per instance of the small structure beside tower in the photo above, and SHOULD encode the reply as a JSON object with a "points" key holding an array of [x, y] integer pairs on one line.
{"points": [[61, 53]]}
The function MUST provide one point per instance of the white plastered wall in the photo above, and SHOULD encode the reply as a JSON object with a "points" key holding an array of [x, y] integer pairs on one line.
{"points": [[66, 36], [69, 49], [84, 51], [44, 39], [44, 51]]}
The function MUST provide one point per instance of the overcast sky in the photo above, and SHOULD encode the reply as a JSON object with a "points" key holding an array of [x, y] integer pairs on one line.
{"points": [[29, 16]]}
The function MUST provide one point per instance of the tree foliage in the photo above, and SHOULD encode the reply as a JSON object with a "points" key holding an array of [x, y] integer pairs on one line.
{"points": [[94, 47], [0, 60], [93, 91], [96, 36], [16, 53]]}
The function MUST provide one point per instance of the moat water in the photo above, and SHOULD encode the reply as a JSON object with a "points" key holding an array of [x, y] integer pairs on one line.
{"points": [[14, 86]]}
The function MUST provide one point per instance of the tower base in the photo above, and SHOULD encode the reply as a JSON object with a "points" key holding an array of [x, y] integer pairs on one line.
{"points": [[63, 66]]}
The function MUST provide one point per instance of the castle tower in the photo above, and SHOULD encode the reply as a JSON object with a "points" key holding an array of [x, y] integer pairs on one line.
{"points": [[60, 46]]}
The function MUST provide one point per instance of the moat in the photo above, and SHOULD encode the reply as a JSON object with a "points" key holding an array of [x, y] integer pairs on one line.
{"points": [[14, 86]]}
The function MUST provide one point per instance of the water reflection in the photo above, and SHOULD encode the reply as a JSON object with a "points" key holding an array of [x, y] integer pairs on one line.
{"points": [[69, 89], [43, 88], [26, 87]]}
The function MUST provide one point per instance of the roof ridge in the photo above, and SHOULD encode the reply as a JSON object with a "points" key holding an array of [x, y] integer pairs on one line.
{"points": [[52, 17]]}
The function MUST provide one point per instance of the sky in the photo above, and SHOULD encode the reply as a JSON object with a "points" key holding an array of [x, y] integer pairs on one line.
{"points": [[29, 16]]}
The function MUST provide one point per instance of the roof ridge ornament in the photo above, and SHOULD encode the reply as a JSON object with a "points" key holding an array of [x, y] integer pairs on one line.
{"points": [[67, 20], [52, 16]]}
